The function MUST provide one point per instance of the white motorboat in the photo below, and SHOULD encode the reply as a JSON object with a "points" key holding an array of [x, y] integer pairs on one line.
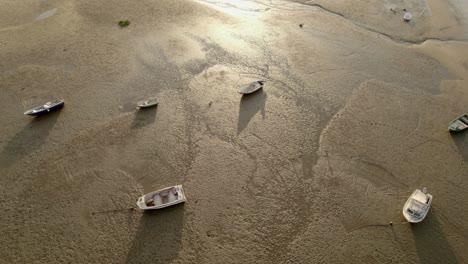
{"points": [[417, 206], [162, 198]]}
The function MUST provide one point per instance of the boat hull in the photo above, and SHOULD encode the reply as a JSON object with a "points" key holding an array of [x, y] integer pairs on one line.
{"points": [[150, 102], [251, 87], [45, 109], [162, 198], [148, 105], [459, 124], [417, 206]]}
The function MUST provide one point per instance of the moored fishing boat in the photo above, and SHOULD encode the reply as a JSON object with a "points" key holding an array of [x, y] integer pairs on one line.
{"points": [[46, 108], [251, 87], [162, 198], [417, 206], [459, 123], [145, 103]]}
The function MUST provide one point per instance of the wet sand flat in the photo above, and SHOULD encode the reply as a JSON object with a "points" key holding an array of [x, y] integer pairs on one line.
{"points": [[310, 169]]}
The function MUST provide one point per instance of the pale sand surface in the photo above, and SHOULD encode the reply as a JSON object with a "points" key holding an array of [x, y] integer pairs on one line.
{"points": [[310, 169]]}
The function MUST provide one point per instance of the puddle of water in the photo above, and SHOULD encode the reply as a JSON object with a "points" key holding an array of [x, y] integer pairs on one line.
{"points": [[47, 14]]}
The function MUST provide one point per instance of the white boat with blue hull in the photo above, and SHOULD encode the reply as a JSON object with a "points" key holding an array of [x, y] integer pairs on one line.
{"points": [[162, 198], [46, 108], [417, 206]]}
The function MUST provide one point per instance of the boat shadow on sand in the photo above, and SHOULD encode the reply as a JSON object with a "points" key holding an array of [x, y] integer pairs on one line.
{"points": [[28, 139], [159, 235], [460, 139], [250, 104], [144, 117], [431, 244]]}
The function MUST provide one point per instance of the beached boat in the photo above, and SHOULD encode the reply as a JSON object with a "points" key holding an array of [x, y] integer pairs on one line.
{"points": [[162, 198], [459, 124], [417, 206], [251, 87], [152, 101], [46, 108]]}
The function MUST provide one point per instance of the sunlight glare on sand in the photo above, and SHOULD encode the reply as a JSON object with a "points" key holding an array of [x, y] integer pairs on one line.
{"points": [[235, 7]]}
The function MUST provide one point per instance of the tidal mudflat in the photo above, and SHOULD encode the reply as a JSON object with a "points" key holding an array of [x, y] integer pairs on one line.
{"points": [[309, 169]]}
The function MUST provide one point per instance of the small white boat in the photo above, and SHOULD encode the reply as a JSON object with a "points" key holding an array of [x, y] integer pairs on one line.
{"points": [[152, 101], [251, 87], [417, 206], [407, 16], [162, 198]]}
